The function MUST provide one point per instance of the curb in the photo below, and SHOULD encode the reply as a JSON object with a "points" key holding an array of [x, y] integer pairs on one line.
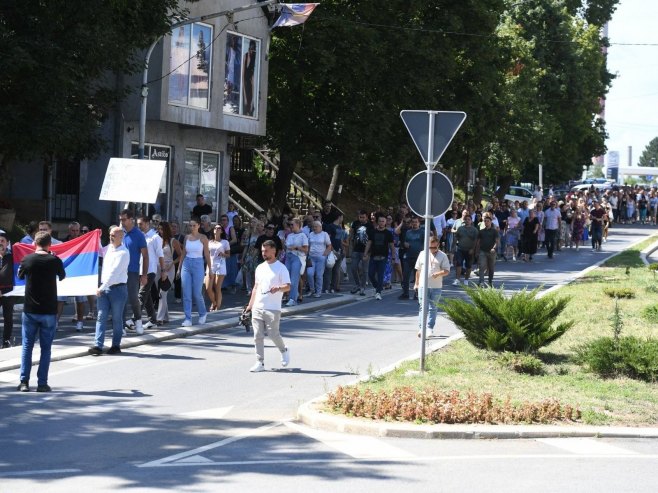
{"points": [[179, 332], [314, 414]]}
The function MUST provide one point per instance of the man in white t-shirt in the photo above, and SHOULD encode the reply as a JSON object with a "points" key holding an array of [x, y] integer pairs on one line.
{"points": [[439, 268], [271, 281]]}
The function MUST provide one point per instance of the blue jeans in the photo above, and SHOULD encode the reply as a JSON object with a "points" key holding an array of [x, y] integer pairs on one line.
{"points": [[434, 295], [34, 325], [231, 271], [192, 278], [315, 274], [294, 266], [376, 270], [111, 301]]}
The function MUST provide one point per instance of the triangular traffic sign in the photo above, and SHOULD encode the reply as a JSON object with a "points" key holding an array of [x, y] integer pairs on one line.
{"points": [[446, 124]]}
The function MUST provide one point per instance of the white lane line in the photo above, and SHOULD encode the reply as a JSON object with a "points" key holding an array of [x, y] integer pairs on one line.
{"points": [[202, 461], [197, 451], [216, 413], [10, 376], [586, 446], [357, 446], [43, 471]]}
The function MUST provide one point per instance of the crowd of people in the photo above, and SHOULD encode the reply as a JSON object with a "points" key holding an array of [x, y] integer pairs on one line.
{"points": [[147, 258]]}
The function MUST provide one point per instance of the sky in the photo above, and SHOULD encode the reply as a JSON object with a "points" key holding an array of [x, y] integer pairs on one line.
{"points": [[631, 111]]}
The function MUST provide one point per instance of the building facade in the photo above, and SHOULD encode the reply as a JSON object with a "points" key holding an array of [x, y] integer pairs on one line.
{"points": [[207, 94]]}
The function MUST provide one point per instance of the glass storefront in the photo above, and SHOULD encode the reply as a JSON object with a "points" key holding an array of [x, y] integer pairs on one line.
{"points": [[202, 171]]}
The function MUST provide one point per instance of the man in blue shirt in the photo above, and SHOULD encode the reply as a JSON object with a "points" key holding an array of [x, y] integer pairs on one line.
{"points": [[413, 241], [135, 241]]}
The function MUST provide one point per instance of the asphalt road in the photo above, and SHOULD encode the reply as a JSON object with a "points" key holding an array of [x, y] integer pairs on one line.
{"points": [[186, 415]]}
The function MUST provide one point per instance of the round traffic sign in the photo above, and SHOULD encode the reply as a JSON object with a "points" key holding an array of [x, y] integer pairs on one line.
{"points": [[442, 193]]}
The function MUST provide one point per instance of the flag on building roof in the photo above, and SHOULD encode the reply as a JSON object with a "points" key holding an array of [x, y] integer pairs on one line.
{"points": [[293, 14], [80, 259]]}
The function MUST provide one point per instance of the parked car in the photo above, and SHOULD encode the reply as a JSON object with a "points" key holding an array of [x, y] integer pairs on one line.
{"points": [[518, 193]]}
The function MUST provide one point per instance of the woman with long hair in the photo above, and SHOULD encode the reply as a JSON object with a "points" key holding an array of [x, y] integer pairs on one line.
{"points": [[169, 246], [191, 271], [220, 250]]}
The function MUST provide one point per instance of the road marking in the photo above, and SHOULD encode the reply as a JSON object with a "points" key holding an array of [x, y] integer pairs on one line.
{"points": [[184, 455], [43, 471], [357, 446], [586, 446], [216, 413], [10, 376], [202, 461]]}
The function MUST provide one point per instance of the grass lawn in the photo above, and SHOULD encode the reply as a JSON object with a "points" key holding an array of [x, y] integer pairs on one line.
{"points": [[619, 401]]}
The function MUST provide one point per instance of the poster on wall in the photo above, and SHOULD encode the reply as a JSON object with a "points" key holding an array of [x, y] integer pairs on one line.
{"points": [[132, 180], [242, 72]]}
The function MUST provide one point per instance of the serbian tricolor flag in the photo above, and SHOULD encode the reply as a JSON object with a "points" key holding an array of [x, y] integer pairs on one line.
{"points": [[80, 258], [293, 14]]}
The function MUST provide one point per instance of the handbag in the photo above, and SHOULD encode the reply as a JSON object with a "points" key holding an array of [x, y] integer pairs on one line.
{"points": [[331, 259]]}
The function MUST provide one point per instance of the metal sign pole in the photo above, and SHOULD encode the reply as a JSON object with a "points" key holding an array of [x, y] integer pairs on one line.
{"points": [[426, 251]]}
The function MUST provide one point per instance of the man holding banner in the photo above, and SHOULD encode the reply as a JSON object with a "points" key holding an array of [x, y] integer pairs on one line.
{"points": [[40, 271]]}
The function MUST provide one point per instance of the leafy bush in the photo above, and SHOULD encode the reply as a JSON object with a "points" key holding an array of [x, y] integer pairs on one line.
{"points": [[650, 313], [520, 323], [619, 292], [628, 356], [434, 406], [522, 363]]}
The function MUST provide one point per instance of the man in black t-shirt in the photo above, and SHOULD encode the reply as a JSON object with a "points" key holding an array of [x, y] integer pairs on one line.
{"points": [[269, 234], [201, 208], [359, 233], [40, 270], [380, 243]]}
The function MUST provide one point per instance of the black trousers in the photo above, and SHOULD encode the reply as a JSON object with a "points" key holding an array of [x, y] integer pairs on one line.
{"points": [[7, 304]]}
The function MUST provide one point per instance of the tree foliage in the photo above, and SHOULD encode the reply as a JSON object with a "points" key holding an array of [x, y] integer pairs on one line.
{"points": [[530, 76], [649, 155], [57, 66]]}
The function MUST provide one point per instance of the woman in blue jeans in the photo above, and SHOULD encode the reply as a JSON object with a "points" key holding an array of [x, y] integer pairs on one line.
{"points": [[192, 271], [319, 247], [296, 251]]}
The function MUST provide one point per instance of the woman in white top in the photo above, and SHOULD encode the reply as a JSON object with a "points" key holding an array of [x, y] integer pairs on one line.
{"points": [[319, 247], [296, 250], [191, 271], [169, 246], [220, 250]]}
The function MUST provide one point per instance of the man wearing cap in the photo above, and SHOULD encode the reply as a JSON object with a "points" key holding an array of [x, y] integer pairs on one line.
{"points": [[112, 293], [552, 219]]}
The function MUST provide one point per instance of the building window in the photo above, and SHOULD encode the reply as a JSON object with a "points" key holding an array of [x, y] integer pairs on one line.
{"points": [[242, 75], [190, 64], [201, 176], [157, 153]]}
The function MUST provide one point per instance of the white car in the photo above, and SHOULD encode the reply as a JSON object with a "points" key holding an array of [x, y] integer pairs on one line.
{"points": [[597, 183], [518, 193]]}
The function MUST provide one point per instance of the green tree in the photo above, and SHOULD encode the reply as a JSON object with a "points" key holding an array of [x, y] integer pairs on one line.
{"points": [[337, 85], [57, 66], [649, 155]]}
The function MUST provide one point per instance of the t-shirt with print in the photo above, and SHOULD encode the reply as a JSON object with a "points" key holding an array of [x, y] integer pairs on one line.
{"points": [[360, 234], [438, 262]]}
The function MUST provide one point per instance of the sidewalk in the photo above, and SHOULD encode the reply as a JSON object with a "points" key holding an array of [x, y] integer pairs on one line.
{"points": [[71, 344]]}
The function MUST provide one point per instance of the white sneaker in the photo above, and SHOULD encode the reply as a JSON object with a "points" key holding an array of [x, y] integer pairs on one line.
{"points": [[285, 358], [202, 320], [129, 324], [78, 326], [258, 367], [378, 296], [291, 303], [150, 325], [187, 323], [430, 333], [139, 328], [456, 282], [514, 258]]}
